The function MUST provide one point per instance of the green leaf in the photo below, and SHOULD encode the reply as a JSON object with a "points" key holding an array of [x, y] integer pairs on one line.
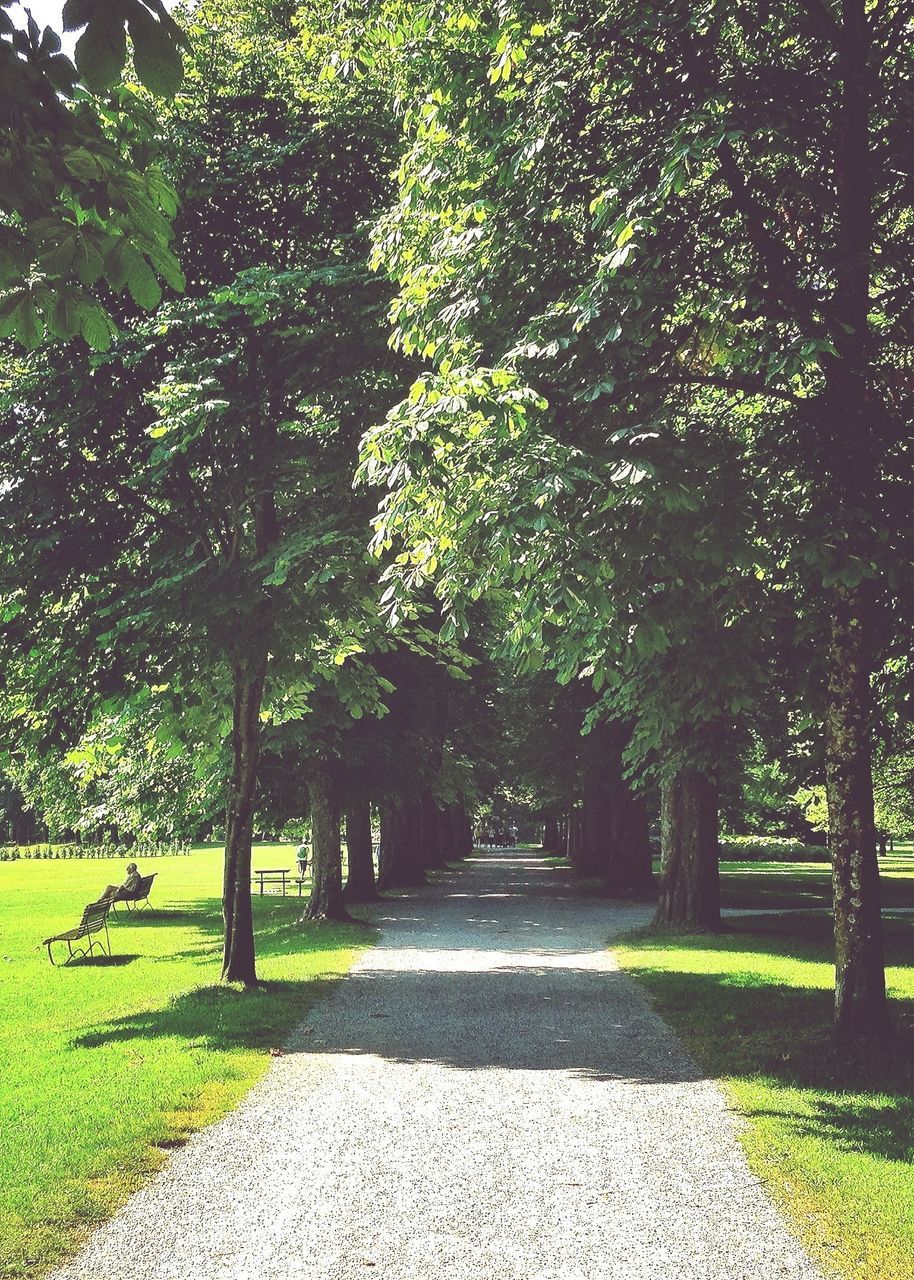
{"points": [[27, 322], [66, 316], [84, 165], [95, 326], [143, 285], [156, 57], [76, 13], [14, 255], [101, 50], [87, 261], [167, 266]]}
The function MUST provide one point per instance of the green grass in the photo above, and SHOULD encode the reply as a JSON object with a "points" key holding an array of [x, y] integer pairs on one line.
{"points": [[835, 1142], [108, 1063], [757, 885]]}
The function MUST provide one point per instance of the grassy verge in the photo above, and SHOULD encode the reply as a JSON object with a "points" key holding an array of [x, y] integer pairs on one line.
{"points": [[835, 1143], [109, 1063]]}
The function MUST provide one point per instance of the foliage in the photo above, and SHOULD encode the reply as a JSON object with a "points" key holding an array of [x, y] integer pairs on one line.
{"points": [[768, 848], [56, 852], [84, 206]]}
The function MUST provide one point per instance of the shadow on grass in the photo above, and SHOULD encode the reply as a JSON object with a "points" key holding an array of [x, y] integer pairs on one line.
{"points": [[102, 962], [215, 1017], [744, 1024], [160, 918], [884, 1128], [772, 884], [224, 1017]]}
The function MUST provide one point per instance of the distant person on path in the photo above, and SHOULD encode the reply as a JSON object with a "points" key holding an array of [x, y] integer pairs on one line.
{"points": [[302, 857], [125, 891]]}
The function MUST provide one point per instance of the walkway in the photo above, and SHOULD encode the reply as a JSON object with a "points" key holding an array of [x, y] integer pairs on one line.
{"points": [[485, 1098]]}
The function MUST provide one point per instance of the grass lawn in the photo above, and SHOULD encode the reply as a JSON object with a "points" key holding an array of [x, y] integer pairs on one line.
{"points": [[109, 1063], [757, 885], [835, 1144]]}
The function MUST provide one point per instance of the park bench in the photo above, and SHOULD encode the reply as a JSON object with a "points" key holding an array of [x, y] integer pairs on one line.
{"points": [[95, 918], [140, 898]]}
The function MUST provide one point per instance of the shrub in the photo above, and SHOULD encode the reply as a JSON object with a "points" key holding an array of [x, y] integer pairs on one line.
{"points": [[143, 849], [769, 848]]}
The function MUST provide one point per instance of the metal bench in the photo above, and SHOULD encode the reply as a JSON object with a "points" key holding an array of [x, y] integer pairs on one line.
{"points": [[138, 899], [95, 918]]}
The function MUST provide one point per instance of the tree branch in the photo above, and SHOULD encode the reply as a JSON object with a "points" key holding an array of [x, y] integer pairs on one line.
{"points": [[732, 383]]}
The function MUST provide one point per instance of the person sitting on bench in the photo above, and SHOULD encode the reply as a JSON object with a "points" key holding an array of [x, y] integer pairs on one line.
{"points": [[126, 891]]}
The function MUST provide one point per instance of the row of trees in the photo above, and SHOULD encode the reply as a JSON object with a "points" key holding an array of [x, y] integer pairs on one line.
{"points": [[643, 429], [657, 262], [187, 590]]}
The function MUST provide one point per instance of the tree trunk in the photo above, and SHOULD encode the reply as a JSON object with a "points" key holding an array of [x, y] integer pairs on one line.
{"points": [[326, 901], [238, 943], [463, 831], [551, 838], [360, 881], [630, 867], [689, 882], [575, 831], [248, 678], [433, 853], [861, 1008], [452, 828], [854, 416], [400, 863], [592, 854]]}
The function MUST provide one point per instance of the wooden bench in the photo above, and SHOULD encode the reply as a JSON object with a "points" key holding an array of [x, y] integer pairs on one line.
{"points": [[95, 918], [138, 899]]}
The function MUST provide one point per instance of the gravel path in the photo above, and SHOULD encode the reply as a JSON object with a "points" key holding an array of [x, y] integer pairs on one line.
{"points": [[485, 1098]]}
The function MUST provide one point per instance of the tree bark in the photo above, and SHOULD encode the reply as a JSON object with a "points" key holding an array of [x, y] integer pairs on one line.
{"points": [[248, 680], [238, 964], [861, 1007], [551, 838], [452, 818], [464, 832], [689, 883], [360, 880], [400, 863], [430, 834], [851, 431], [575, 832], [630, 868], [326, 901], [592, 853]]}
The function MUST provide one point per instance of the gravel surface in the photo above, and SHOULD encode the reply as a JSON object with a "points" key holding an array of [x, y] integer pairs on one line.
{"points": [[485, 1098]]}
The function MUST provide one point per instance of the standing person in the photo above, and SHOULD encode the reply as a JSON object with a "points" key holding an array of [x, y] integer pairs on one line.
{"points": [[129, 889]]}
